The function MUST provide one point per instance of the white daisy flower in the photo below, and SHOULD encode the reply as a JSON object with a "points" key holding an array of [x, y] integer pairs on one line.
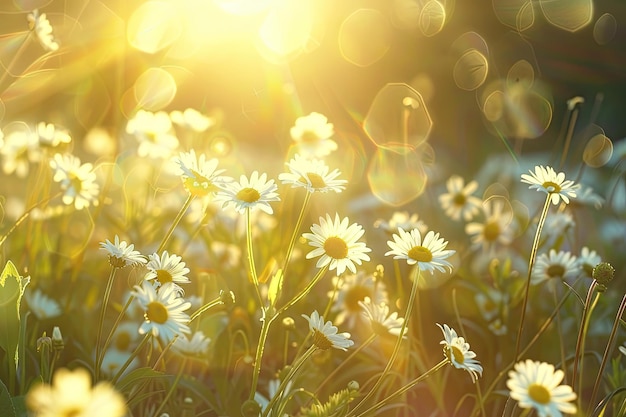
{"points": [[20, 149], [114, 359], [256, 192], [623, 349], [351, 289], [555, 264], [191, 119], [587, 260], [200, 176], [312, 134], [196, 346], [495, 230], [122, 254], [71, 394], [325, 334], [586, 195], [489, 302], [381, 321], [52, 136], [336, 243], [556, 225], [535, 384], [429, 254], [154, 133], [166, 269], [458, 201], [402, 220], [42, 29], [313, 175], [547, 180], [42, 306], [164, 311], [458, 352], [78, 181]]}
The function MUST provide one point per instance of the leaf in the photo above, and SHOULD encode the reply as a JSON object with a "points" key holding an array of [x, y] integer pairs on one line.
{"points": [[136, 376], [275, 287], [6, 405], [12, 287]]}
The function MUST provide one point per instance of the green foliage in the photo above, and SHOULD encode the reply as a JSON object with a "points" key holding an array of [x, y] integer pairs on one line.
{"points": [[337, 405]]}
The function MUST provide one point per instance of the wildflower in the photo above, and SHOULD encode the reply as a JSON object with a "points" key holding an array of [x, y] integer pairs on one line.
{"points": [[557, 225], [623, 349], [122, 254], [586, 195], [587, 260], [536, 385], [227, 255], [458, 201], [200, 177], [272, 390], [351, 289], [312, 175], [71, 394], [51, 136], [429, 254], [114, 359], [403, 220], [325, 334], [163, 311], [42, 30], [256, 192], [166, 269], [458, 352], [381, 321], [312, 134], [603, 273], [197, 345], [554, 265], [337, 244], [489, 302], [154, 133], [547, 180], [191, 119], [494, 230], [78, 181], [42, 306], [20, 149]]}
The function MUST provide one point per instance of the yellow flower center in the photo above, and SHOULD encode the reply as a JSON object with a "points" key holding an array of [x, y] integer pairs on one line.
{"points": [[455, 354], [199, 185], [552, 187], [308, 136], [539, 394], [249, 195], [354, 295], [163, 276], [336, 247], [315, 180], [76, 183], [122, 342], [491, 231], [321, 341], [555, 271], [420, 254], [156, 313], [459, 199], [116, 262], [72, 412]]}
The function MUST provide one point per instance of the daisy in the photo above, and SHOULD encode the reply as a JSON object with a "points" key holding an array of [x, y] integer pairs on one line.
{"points": [[352, 289], [196, 346], [191, 119], [167, 269], [336, 244], [313, 175], [458, 201], [114, 359], [325, 334], [536, 385], [164, 311], [51, 136], [458, 352], [555, 185], [429, 254], [199, 175], [623, 349], [122, 254], [587, 260], [20, 149], [71, 394], [154, 133], [403, 220], [256, 192], [381, 321], [42, 306], [42, 29], [586, 195], [555, 264], [312, 134], [494, 230], [76, 179]]}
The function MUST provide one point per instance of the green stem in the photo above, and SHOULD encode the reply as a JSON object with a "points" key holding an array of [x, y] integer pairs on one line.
{"points": [[294, 235], [396, 348], [251, 266], [582, 333], [131, 358], [116, 324], [404, 388], [205, 307], [320, 273], [559, 331], [105, 301], [258, 358], [179, 374], [177, 220], [531, 263]]}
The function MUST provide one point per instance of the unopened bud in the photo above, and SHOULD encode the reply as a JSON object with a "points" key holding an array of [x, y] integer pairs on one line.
{"points": [[250, 408], [44, 342], [57, 339], [289, 324], [227, 298], [353, 385], [603, 273]]}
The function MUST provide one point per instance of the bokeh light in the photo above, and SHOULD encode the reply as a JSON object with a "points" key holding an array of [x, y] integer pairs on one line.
{"points": [[153, 26], [598, 150], [516, 14], [154, 89], [432, 18], [570, 15], [470, 70], [364, 37], [604, 29]]}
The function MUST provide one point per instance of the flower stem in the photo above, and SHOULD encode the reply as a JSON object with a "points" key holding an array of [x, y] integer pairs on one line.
{"points": [[266, 321], [105, 302], [305, 290], [177, 220], [179, 374], [294, 235], [531, 263], [251, 266], [130, 358], [582, 332], [205, 307]]}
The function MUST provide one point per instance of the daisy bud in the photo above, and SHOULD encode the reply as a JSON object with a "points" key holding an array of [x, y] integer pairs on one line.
{"points": [[353, 386], [227, 298], [57, 339], [289, 324], [250, 408], [603, 273], [44, 342]]}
